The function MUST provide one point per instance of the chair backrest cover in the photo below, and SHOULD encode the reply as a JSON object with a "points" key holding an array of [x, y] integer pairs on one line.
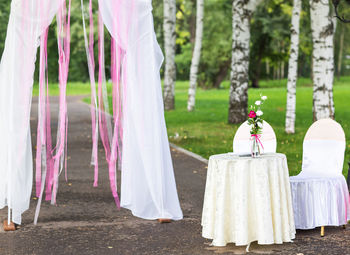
{"points": [[242, 139], [323, 148]]}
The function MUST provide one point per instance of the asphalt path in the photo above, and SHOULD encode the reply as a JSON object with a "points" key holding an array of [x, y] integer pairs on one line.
{"points": [[86, 221]]}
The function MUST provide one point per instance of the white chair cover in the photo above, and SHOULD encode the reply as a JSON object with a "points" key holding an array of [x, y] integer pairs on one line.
{"points": [[242, 139], [320, 193]]}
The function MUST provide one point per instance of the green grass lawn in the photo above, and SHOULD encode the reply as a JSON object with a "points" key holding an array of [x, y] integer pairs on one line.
{"points": [[73, 89], [206, 131]]}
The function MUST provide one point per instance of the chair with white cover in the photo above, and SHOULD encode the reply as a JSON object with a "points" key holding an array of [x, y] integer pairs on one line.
{"points": [[320, 194], [242, 139]]}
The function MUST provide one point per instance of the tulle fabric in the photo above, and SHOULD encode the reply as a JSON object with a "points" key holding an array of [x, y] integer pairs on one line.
{"points": [[148, 185], [28, 20], [320, 193]]}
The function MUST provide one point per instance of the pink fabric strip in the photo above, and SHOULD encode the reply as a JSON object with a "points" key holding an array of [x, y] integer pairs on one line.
{"points": [[118, 63], [49, 159], [64, 57], [93, 97], [66, 153], [41, 132], [89, 47], [111, 159]]}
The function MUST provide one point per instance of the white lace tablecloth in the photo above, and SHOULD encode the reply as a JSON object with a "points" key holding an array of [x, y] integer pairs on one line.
{"points": [[248, 199]]}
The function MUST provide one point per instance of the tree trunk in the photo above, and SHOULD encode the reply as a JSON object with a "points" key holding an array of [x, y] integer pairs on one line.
{"points": [[278, 70], [323, 59], [169, 48], [257, 72], [257, 63], [340, 55], [196, 56], [293, 68], [267, 68], [242, 11], [222, 74]]}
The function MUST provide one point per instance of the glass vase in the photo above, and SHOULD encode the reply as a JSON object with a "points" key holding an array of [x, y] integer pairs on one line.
{"points": [[255, 148]]}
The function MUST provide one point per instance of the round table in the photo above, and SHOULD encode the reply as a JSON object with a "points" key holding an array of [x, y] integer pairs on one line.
{"points": [[248, 199]]}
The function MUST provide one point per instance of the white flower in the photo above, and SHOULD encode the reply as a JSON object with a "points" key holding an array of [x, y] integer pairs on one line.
{"points": [[264, 98], [259, 113], [260, 125], [258, 102]]}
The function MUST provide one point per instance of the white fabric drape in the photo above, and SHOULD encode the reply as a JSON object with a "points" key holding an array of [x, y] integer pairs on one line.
{"points": [[28, 20], [148, 183], [148, 186]]}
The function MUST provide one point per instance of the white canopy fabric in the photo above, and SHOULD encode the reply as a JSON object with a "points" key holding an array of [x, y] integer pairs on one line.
{"points": [[148, 183], [26, 24]]}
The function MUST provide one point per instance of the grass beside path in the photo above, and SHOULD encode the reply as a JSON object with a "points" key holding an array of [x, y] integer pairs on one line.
{"points": [[73, 89], [206, 131]]}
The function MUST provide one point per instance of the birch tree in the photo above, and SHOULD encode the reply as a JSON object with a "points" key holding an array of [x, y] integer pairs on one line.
{"points": [[293, 68], [322, 28], [196, 56], [242, 11], [169, 48]]}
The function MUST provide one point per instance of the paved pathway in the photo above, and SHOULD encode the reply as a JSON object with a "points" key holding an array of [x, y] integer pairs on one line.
{"points": [[85, 221]]}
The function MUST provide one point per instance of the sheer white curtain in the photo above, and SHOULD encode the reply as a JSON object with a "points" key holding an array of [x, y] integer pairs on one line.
{"points": [[148, 183], [28, 20], [148, 186]]}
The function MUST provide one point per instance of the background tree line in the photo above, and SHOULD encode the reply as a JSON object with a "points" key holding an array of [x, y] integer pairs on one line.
{"points": [[270, 41], [264, 55]]}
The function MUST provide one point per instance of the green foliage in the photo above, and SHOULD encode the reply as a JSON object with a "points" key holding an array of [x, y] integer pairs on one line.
{"points": [[270, 40], [4, 18], [270, 35], [217, 43]]}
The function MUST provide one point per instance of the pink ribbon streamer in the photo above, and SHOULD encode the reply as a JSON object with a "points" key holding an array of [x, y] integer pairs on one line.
{"points": [[111, 139], [110, 146], [63, 22], [41, 131], [48, 165]]}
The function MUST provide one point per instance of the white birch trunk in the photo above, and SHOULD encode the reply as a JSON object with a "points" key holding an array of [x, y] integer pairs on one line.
{"points": [[169, 48], [293, 68], [323, 59], [242, 11], [196, 56]]}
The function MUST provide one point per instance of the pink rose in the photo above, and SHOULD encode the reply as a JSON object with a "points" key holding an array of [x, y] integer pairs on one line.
{"points": [[252, 114]]}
